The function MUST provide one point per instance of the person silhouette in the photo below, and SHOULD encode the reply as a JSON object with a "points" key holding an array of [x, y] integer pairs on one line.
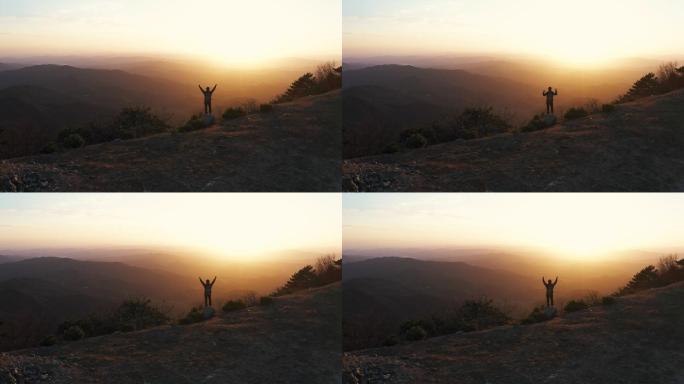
{"points": [[207, 290], [207, 97], [549, 99], [549, 290]]}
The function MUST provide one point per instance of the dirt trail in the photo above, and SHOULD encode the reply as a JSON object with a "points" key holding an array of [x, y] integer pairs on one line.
{"points": [[295, 340], [636, 340], [297, 147], [638, 147]]}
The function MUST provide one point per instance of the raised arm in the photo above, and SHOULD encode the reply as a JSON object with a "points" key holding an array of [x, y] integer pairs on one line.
{"points": [[200, 87], [544, 93], [213, 89], [543, 281], [556, 93], [213, 281], [201, 282], [555, 282]]}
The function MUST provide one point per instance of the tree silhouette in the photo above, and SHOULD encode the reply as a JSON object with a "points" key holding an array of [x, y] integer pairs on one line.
{"points": [[646, 86], [302, 279], [304, 86], [644, 279]]}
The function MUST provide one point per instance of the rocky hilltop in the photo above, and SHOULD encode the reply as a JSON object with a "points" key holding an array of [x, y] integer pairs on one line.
{"points": [[296, 339], [638, 339]]}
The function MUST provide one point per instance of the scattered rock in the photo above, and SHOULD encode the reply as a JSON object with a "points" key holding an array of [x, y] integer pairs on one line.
{"points": [[550, 312], [208, 312]]}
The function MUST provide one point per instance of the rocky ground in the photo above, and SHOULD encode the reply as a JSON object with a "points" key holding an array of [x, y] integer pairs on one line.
{"points": [[297, 339], [297, 147], [636, 340], [638, 147]]}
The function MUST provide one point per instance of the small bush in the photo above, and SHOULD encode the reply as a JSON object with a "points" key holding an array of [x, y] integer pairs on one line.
{"points": [[416, 333], [195, 315], [74, 333], [479, 122], [136, 314], [266, 108], [592, 298], [608, 108], [537, 315], [265, 300], [135, 122], [538, 123], [249, 299], [575, 305], [49, 148], [49, 341], [575, 113], [74, 140], [233, 113], [390, 341], [416, 140], [195, 123], [250, 106], [608, 300], [391, 148], [233, 305]]}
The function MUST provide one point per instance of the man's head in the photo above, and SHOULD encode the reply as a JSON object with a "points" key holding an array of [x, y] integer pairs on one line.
{"points": [[549, 281], [209, 281], [208, 91], [549, 88]]}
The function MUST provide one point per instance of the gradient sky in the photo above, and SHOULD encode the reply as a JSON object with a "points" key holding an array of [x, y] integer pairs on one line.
{"points": [[569, 225], [574, 32], [234, 226], [229, 31]]}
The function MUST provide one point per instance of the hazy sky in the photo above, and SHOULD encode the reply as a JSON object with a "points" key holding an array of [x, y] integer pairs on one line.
{"points": [[574, 32], [569, 225], [229, 31], [235, 226]]}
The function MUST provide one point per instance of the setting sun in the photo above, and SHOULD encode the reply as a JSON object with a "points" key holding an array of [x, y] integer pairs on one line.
{"points": [[580, 33], [237, 227], [233, 33], [571, 227]]}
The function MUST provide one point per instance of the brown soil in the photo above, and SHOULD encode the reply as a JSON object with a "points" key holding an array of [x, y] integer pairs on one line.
{"points": [[638, 147], [297, 339], [636, 340], [297, 147]]}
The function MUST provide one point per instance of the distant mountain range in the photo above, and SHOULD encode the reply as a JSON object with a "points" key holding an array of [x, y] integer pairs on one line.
{"points": [[111, 88], [381, 101], [37, 102], [38, 294], [381, 293]]}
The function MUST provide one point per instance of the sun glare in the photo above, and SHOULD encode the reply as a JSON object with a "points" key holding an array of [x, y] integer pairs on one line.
{"points": [[230, 32], [233, 227]]}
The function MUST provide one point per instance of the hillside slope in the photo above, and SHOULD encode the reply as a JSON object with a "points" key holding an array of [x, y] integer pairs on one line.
{"points": [[295, 340], [295, 148], [636, 340], [638, 147]]}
